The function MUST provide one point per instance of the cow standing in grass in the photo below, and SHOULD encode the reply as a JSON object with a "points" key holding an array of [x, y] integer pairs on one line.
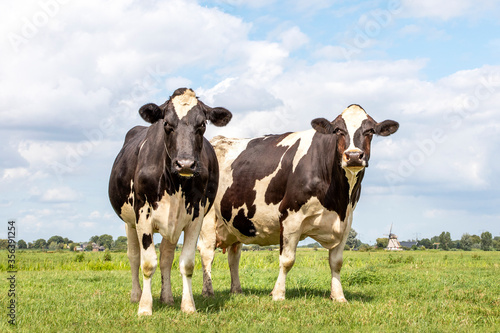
{"points": [[280, 189], [165, 180]]}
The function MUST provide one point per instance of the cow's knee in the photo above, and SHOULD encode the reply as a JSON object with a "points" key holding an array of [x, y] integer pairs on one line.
{"points": [[287, 262], [187, 267], [336, 265], [149, 267]]}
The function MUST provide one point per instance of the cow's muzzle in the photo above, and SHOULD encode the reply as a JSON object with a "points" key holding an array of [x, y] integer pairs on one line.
{"points": [[354, 160], [185, 167]]}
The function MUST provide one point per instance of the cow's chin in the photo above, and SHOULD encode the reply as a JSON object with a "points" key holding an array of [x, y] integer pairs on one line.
{"points": [[353, 168], [185, 175]]}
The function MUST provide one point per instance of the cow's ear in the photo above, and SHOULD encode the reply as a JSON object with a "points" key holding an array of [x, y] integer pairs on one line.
{"points": [[151, 113], [386, 128], [322, 125], [218, 116]]}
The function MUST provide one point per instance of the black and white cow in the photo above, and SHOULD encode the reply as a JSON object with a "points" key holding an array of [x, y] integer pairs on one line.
{"points": [[165, 180], [280, 189]]}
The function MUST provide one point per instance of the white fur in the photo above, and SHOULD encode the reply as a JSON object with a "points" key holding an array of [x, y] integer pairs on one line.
{"points": [[353, 117], [185, 102]]}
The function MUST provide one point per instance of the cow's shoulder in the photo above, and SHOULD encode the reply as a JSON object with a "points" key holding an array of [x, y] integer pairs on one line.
{"points": [[137, 133]]}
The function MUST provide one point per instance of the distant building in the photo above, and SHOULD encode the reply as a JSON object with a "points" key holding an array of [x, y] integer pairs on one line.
{"points": [[407, 244], [393, 244]]}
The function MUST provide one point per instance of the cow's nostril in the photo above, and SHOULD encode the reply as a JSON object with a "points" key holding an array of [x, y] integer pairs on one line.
{"points": [[193, 166], [178, 165], [361, 155]]}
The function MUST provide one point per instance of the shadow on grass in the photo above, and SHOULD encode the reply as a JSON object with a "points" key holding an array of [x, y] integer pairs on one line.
{"points": [[217, 302]]}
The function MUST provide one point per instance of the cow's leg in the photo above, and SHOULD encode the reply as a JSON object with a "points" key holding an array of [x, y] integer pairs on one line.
{"points": [[134, 257], [149, 260], [233, 258], [288, 248], [186, 264], [167, 254], [336, 260], [206, 246]]}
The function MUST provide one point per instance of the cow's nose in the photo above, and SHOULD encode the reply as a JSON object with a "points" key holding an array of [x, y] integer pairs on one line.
{"points": [[354, 156], [185, 167]]}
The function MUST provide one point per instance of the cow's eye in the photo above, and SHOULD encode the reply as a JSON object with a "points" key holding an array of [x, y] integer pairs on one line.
{"points": [[201, 128], [339, 131], [168, 128], [370, 131]]}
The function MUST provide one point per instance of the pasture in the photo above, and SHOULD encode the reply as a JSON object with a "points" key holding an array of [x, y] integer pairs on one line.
{"points": [[417, 291]]}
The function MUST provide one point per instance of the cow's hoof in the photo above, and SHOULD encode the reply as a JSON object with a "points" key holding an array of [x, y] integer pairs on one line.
{"points": [[167, 300], [339, 300], [278, 297], [188, 309], [144, 312], [135, 297], [236, 291], [207, 293]]}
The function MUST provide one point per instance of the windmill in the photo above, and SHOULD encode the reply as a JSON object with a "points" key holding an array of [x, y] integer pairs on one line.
{"points": [[393, 243]]}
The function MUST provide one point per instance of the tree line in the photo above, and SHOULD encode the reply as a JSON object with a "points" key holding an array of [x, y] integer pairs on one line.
{"points": [[467, 242], [63, 243], [443, 241]]}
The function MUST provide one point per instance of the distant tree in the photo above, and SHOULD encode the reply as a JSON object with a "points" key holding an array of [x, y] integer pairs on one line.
{"points": [[56, 239], [89, 247], [53, 246], [94, 239], [72, 246], [425, 242], [496, 243], [3, 244], [476, 240], [105, 240], [30, 245], [445, 241], [382, 243], [40, 244], [351, 239], [466, 242], [67, 240], [120, 244], [22, 244], [486, 241]]}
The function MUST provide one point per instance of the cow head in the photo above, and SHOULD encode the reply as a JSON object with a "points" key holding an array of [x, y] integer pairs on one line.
{"points": [[354, 129], [184, 119]]}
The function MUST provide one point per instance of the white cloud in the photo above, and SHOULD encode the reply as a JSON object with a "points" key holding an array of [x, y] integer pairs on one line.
{"points": [[88, 64], [60, 194], [293, 39], [446, 10], [95, 215], [15, 173], [248, 3]]}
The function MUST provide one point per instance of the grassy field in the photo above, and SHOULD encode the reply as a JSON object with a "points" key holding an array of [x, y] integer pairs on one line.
{"points": [[420, 291]]}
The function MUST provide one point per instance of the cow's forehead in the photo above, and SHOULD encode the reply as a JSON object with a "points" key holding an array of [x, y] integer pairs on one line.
{"points": [[184, 102], [353, 117]]}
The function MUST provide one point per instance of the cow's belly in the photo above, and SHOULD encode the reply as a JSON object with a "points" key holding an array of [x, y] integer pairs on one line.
{"points": [[169, 218], [313, 220]]}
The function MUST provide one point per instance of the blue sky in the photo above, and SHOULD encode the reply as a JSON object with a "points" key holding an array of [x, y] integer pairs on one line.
{"points": [[73, 75]]}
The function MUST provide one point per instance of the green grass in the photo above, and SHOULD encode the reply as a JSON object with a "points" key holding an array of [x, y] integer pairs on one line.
{"points": [[420, 291]]}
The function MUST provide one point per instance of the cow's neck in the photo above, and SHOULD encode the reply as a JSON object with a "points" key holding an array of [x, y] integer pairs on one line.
{"points": [[352, 179], [157, 160]]}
